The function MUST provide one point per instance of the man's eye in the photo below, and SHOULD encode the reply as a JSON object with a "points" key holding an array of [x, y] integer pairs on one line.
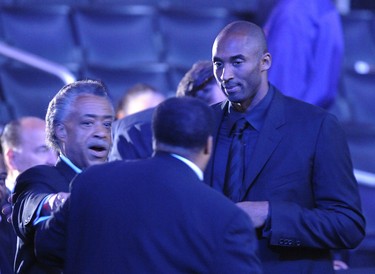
{"points": [[217, 64], [43, 149], [108, 125], [86, 123]]}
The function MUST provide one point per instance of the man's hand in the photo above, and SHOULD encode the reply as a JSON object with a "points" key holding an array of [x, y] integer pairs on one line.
{"points": [[257, 211], [6, 209]]}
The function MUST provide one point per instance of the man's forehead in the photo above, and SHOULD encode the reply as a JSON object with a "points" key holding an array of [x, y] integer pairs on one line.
{"points": [[92, 105]]}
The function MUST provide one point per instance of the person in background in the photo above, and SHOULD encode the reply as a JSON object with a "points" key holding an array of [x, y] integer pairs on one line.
{"points": [[200, 82], [78, 126], [292, 172], [24, 146], [132, 135], [307, 64], [23, 142], [137, 98], [165, 222], [8, 239]]}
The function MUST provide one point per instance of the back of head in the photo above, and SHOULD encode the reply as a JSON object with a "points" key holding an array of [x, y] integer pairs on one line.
{"points": [[59, 107], [137, 98], [195, 79], [183, 123]]}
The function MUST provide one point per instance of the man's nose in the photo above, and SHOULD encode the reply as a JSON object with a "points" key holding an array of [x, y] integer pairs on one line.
{"points": [[101, 131], [226, 73]]}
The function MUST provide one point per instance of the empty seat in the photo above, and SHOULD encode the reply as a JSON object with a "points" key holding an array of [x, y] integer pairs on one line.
{"points": [[118, 80], [126, 2], [246, 6], [48, 2], [28, 91], [117, 36], [176, 74], [359, 37], [42, 30], [360, 95], [5, 115], [188, 34]]}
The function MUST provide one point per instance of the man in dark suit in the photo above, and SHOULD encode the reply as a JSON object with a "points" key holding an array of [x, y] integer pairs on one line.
{"points": [[154, 215], [298, 185], [79, 122], [132, 137]]}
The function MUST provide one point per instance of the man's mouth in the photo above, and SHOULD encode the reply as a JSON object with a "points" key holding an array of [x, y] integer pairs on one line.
{"points": [[230, 88], [99, 151]]}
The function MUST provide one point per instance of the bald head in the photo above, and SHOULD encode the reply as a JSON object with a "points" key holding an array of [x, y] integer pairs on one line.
{"points": [[241, 61], [24, 145], [249, 32], [12, 135]]}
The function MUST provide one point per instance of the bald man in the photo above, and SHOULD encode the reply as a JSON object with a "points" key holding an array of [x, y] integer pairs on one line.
{"points": [[297, 183], [24, 146]]}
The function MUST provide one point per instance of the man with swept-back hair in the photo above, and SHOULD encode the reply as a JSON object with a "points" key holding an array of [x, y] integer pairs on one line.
{"points": [[78, 122], [156, 215]]}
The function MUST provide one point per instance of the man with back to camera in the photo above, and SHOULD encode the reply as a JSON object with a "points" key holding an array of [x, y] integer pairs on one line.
{"points": [[153, 215], [297, 183], [79, 120]]}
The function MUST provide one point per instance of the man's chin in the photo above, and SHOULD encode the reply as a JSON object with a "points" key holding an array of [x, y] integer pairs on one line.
{"points": [[97, 161]]}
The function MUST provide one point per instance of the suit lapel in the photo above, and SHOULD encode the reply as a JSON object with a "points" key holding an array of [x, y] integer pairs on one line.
{"points": [[66, 171], [268, 139], [219, 110]]}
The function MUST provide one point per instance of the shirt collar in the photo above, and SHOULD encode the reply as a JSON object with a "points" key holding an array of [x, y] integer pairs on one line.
{"points": [[256, 116], [193, 166], [70, 163]]}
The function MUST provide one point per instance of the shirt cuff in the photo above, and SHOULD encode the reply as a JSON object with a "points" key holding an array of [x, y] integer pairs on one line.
{"points": [[39, 218]]}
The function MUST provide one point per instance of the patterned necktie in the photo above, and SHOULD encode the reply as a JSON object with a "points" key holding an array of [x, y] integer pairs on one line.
{"points": [[236, 162]]}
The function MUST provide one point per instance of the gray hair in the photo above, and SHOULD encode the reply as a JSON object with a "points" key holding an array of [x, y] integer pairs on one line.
{"points": [[59, 107]]}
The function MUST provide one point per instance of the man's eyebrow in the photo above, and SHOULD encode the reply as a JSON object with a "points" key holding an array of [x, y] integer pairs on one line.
{"points": [[96, 115], [238, 56]]}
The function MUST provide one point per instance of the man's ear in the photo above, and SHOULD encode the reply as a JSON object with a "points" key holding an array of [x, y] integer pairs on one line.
{"points": [[266, 61], [60, 132], [11, 158]]}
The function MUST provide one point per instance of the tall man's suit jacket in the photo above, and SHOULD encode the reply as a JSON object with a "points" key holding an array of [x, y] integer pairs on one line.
{"points": [[151, 216], [302, 166], [31, 188], [132, 136]]}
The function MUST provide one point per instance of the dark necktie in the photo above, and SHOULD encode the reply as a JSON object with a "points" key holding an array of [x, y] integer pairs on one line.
{"points": [[236, 162]]}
